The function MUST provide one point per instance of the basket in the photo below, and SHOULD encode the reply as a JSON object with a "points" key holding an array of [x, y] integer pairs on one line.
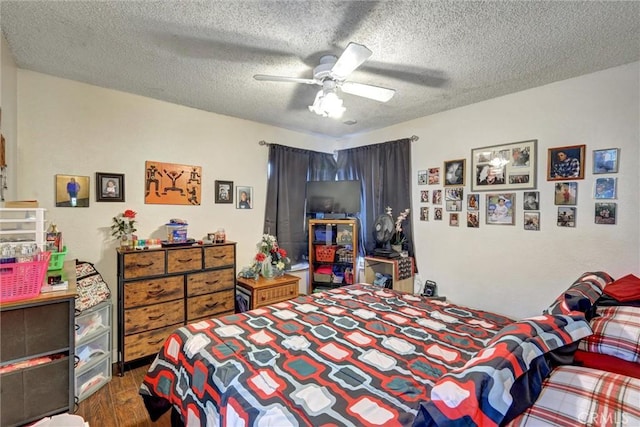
{"points": [[325, 253], [57, 259], [23, 280], [345, 255]]}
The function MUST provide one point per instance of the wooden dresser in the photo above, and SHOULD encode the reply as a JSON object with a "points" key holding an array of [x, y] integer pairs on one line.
{"points": [[268, 291], [162, 289]]}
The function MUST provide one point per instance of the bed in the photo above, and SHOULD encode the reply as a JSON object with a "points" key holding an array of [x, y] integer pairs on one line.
{"points": [[363, 355]]}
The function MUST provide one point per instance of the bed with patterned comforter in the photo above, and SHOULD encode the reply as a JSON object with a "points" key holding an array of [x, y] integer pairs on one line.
{"points": [[358, 355]]}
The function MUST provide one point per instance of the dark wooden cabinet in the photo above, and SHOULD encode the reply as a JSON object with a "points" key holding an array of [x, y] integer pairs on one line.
{"points": [[41, 327], [162, 289]]}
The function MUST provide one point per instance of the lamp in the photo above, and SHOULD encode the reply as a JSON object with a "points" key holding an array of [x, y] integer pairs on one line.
{"points": [[327, 102]]}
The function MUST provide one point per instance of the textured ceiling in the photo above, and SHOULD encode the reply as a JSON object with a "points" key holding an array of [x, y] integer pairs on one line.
{"points": [[437, 55]]}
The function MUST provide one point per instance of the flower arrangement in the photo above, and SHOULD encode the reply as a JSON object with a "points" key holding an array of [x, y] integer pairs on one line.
{"points": [[398, 237], [124, 224], [268, 251]]}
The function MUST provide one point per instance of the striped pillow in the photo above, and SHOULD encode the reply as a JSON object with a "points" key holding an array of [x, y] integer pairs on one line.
{"points": [[616, 332]]}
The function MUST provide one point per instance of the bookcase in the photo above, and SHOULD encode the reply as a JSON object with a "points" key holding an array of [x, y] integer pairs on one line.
{"points": [[333, 253]]}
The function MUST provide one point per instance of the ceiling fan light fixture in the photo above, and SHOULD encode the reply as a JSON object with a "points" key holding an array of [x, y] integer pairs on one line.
{"points": [[327, 104]]}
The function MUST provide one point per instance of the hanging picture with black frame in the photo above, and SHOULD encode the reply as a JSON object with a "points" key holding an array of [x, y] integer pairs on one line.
{"points": [[224, 191], [109, 187], [510, 166]]}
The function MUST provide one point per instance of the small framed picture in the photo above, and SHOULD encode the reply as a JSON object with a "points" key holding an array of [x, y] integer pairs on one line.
{"points": [[532, 221], [605, 188], [605, 213], [72, 191], [531, 201], [109, 187], [501, 208], [437, 197], [605, 161], [424, 196], [454, 220], [472, 220], [424, 214], [454, 193], [434, 176], [244, 197], [224, 191], [453, 205], [565, 163], [473, 202], [454, 172], [566, 217], [437, 214], [422, 177], [566, 193]]}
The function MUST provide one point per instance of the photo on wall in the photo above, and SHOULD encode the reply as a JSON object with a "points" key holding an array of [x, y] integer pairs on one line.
{"points": [[605, 213], [501, 208], [566, 217], [109, 187], [434, 176], [72, 191], [244, 197], [172, 183], [566, 193], [605, 188]]}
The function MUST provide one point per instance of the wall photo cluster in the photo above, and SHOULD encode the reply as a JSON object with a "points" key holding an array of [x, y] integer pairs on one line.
{"points": [[501, 170]]}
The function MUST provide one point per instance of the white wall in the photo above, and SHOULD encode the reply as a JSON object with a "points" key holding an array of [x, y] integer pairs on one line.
{"points": [[8, 103], [505, 268]]}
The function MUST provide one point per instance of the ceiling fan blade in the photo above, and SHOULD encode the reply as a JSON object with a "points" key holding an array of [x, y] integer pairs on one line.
{"points": [[264, 77], [376, 93], [352, 57]]}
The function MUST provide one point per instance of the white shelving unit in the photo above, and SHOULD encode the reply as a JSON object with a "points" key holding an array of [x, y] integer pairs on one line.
{"points": [[23, 226], [93, 350]]}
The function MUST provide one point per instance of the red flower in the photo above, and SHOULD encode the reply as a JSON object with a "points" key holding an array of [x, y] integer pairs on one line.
{"points": [[260, 257], [129, 214], [282, 252]]}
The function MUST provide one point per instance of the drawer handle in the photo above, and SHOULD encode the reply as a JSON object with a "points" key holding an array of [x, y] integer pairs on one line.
{"points": [[220, 256], [156, 317], [263, 298], [211, 305], [185, 260], [144, 265], [213, 282], [155, 342], [155, 293]]}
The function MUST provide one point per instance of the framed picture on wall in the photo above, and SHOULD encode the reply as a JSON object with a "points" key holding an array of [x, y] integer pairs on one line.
{"points": [[510, 166], [422, 177], [532, 221], [605, 161], [565, 163], [223, 191], [109, 187], [605, 213], [244, 197], [434, 176], [605, 188], [566, 217], [72, 191], [454, 172], [501, 208], [566, 193]]}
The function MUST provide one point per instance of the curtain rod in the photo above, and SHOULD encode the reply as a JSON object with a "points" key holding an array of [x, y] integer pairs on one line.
{"points": [[413, 138]]}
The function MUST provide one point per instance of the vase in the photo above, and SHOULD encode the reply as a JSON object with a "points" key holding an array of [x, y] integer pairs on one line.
{"points": [[267, 268]]}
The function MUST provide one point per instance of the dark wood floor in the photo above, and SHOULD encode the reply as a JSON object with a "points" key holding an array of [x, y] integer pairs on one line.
{"points": [[118, 403]]}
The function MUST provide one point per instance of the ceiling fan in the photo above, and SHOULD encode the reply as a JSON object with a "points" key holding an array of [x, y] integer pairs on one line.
{"points": [[331, 74]]}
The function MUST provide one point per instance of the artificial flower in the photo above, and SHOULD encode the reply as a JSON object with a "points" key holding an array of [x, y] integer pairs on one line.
{"points": [[124, 224]]}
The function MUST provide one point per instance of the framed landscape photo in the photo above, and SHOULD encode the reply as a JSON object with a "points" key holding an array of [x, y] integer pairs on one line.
{"points": [[605, 161], [109, 187], [501, 208], [565, 163], [224, 191], [454, 172], [504, 167]]}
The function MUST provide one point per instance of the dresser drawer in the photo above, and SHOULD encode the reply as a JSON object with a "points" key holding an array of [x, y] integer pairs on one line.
{"points": [[210, 281], [209, 305], [146, 343], [153, 316], [219, 256], [152, 291], [275, 294], [141, 264], [180, 260]]}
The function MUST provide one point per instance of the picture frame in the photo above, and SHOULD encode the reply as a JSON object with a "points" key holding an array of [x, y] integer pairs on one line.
{"points": [[437, 214], [72, 191], [501, 208], [453, 205], [511, 166], [605, 213], [172, 183], [565, 163], [473, 220], [532, 221], [424, 196], [223, 191], [422, 177], [567, 216], [531, 201], [566, 193], [434, 176], [606, 160], [473, 202], [454, 220], [436, 197], [424, 213], [244, 197], [454, 193], [605, 188], [109, 187], [454, 172]]}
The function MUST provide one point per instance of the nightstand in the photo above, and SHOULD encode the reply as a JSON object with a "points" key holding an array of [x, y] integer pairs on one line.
{"points": [[400, 270], [263, 291]]}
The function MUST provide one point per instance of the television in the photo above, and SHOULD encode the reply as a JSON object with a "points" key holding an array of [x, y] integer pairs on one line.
{"points": [[333, 197]]}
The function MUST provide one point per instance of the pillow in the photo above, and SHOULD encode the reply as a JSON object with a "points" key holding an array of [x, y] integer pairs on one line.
{"points": [[616, 332], [625, 289], [505, 377], [604, 362], [582, 294]]}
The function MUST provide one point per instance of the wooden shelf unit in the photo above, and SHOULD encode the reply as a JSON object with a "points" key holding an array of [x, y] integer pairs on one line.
{"points": [[401, 280]]}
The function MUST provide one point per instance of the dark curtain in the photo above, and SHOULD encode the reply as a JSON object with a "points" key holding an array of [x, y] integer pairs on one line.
{"points": [[285, 216], [385, 173]]}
